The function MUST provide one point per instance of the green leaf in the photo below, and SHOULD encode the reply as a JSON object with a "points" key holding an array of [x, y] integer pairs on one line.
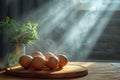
{"points": [[7, 19], [19, 33]]}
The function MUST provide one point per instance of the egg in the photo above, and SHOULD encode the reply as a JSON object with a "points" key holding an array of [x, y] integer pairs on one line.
{"points": [[48, 54], [38, 62], [52, 62], [38, 53], [63, 60], [25, 60]]}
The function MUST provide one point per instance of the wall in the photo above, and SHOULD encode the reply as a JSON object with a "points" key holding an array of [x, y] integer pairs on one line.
{"points": [[108, 47]]}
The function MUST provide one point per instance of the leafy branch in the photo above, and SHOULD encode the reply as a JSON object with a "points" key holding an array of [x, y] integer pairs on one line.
{"points": [[18, 33]]}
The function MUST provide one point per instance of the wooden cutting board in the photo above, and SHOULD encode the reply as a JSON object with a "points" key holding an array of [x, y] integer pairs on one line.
{"points": [[69, 71]]}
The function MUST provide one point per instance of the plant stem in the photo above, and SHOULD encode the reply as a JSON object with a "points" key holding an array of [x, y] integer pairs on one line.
{"points": [[17, 49]]}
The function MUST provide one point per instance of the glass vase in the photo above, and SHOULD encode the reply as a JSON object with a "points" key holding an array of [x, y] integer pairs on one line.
{"points": [[15, 54]]}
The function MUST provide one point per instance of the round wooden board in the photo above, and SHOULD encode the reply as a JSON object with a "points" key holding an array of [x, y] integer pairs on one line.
{"points": [[69, 71]]}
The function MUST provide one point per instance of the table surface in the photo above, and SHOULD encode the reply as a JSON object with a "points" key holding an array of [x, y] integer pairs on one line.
{"points": [[96, 71]]}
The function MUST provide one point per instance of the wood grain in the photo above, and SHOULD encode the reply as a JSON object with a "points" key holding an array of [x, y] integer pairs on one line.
{"points": [[69, 71]]}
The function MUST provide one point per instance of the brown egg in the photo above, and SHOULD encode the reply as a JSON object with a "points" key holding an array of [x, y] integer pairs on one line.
{"points": [[62, 60], [52, 62], [38, 62], [48, 54], [38, 53], [25, 61]]}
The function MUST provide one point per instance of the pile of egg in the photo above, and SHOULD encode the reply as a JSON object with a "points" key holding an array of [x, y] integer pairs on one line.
{"points": [[40, 61]]}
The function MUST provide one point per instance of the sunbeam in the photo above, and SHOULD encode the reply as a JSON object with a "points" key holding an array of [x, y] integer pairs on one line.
{"points": [[68, 27]]}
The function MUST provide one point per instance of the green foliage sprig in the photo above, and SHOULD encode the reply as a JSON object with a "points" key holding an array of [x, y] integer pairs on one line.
{"points": [[18, 33]]}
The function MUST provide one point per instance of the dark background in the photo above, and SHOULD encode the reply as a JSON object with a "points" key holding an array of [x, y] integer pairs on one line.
{"points": [[106, 48]]}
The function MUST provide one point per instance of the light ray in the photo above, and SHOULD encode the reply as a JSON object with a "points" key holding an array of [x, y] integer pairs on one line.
{"points": [[66, 27]]}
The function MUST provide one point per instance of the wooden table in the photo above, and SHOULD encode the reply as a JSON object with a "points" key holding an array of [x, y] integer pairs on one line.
{"points": [[96, 71]]}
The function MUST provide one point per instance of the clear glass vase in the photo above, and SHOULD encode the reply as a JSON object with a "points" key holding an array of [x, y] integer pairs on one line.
{"points": [[15, 54]]}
